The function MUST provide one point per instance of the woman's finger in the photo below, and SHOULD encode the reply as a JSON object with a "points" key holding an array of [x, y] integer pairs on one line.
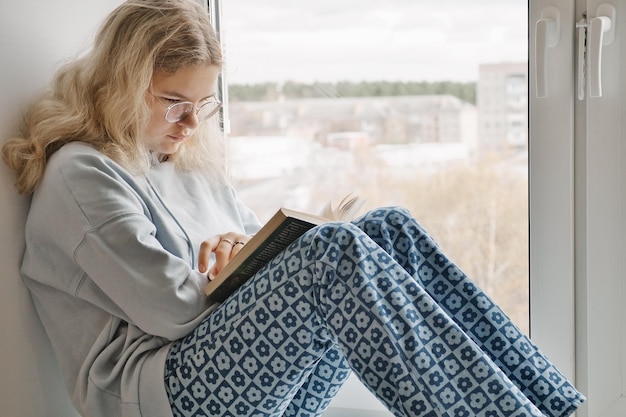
{"points": [[225, 247], [206, 248]]}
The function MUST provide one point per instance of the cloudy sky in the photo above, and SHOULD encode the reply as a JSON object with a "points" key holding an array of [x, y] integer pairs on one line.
{"points": [[333, 40]]}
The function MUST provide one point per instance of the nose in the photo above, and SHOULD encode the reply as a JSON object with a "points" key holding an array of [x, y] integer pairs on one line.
{"points": [[191, 121]]}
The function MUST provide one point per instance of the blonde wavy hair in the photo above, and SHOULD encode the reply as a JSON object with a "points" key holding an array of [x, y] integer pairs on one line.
{"points": [[100, 98]]}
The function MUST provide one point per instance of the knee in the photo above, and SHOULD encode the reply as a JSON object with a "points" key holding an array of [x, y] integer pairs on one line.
{"points": [[379, 222], [336, 233], [392, 215], [333, 242]]}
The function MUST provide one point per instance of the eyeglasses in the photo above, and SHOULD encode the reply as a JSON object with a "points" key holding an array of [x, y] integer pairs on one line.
{"points": [[179, 111]]}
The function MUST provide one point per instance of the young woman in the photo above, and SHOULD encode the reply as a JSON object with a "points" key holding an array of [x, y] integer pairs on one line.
{"points": [[131, 215]]}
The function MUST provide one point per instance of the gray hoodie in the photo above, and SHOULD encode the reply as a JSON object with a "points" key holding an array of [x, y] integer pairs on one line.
{"points": [[111, 263]]}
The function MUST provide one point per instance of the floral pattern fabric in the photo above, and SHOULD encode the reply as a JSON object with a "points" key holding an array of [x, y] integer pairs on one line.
{"points": [[376, 297]]}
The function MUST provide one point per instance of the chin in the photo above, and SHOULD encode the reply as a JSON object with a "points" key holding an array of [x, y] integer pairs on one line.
{"points": [[169, 149]]}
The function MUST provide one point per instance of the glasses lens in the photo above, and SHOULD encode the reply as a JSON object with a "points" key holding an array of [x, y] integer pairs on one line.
{"points": [[178, 112], [208, 109]]}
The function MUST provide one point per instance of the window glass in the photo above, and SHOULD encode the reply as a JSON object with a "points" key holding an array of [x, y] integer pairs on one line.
{"points": [[407, 102]]}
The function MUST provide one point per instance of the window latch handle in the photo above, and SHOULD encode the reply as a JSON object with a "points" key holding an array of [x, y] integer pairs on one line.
{"points": [[601, 32], [547, 35]]}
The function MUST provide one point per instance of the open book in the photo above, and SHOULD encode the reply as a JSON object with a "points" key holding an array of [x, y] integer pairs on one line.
{"points": [[281, 230]]}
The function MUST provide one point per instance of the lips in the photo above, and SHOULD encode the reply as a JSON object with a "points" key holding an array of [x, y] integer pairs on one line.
{"points": [[177, 138]]}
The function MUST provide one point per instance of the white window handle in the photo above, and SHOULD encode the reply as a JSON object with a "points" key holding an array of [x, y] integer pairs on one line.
{"points": [[547, 35], [601, 31]]}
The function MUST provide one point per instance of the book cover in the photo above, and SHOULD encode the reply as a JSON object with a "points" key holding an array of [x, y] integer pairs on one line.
{"points": [[281, 230]]}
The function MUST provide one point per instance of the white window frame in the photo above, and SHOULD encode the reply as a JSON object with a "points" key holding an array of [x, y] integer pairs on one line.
{"points": [[577, 189]]}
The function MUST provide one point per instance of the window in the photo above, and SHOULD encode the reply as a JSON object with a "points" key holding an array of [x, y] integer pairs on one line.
{"points": [[412, 103], [361, 99]]}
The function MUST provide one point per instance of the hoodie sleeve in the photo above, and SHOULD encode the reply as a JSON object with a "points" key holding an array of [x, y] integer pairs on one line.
{"points": [[127, 267]]}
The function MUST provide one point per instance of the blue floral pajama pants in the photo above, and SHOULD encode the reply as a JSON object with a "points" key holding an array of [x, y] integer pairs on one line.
{"points": [[376, 297]]}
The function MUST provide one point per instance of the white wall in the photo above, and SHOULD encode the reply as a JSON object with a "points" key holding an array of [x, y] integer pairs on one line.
{"points": [[36, 36]]}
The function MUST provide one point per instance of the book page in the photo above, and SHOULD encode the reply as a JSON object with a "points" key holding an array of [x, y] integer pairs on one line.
{"points": [[347, 209]]}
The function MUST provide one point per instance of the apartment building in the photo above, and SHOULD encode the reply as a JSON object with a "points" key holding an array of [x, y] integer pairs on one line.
{"points": [[502, 100]]}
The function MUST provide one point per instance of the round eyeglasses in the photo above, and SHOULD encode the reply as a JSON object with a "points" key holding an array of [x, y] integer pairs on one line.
{"points": [[179, 111]]}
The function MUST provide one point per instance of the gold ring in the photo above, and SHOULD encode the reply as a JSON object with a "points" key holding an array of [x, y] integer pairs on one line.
{"points": [[239, 242], [227, 241]]}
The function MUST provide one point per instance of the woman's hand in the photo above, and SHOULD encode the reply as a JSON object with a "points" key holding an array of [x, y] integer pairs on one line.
{"points": [[224, 246]]}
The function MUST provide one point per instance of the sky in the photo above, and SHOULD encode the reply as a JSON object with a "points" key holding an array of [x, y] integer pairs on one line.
{"points": [[370, 40]]}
